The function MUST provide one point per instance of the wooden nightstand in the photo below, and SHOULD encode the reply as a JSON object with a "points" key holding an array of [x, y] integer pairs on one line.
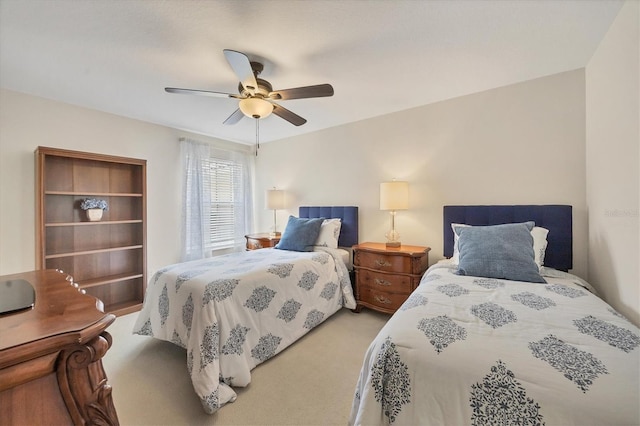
{"points": [[385, 277], [258, 241]]}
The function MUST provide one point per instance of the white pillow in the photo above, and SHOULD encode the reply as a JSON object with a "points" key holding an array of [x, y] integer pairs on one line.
{"points": [[329, 233], [456, 252], [539, 243]]}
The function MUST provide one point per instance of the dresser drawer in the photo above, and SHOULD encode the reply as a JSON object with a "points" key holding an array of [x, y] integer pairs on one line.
{"points": [[380, 281], [387, 302], [387, 262]]}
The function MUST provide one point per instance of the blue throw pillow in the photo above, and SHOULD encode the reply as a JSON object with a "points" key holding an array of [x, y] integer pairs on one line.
{"points": [[300, 234], [499, 251]]}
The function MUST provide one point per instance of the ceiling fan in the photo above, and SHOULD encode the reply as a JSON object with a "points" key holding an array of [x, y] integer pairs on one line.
{"points": [[257, 97]]}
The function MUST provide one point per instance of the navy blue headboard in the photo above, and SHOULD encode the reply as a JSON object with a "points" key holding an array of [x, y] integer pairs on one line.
{"points": [[556, 218], [348, 216]]}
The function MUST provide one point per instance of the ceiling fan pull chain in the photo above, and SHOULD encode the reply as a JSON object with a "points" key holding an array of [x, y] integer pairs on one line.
{"points": [[257, 135]]}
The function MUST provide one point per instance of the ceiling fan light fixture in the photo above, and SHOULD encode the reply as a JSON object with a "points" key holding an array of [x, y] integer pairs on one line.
{"points": [[256, 107]]}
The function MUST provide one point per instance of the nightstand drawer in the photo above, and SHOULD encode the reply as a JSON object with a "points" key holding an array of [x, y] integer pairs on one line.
{"points": [[387, 302], [383, 261], [258, 241], [255, 244], [380, 281]]}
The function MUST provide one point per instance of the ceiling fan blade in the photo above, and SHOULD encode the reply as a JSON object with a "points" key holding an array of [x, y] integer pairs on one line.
{"points": [[201, 92], [317, 91], [242, 67], [291, 117], [234, 118]]}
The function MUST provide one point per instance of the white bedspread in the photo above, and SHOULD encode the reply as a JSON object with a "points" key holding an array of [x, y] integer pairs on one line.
{"points": [[467, 350], [235, 311]]}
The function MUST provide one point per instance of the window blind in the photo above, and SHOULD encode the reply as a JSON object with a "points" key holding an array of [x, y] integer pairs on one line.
{"points": [[224, 181]]}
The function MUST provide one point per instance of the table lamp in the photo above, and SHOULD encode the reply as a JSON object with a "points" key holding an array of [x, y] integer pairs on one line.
{"points": [[394, 196], [275, 201]]}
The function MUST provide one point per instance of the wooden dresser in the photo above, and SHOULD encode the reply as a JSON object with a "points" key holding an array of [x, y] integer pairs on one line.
{"points": [[51, 356], [385, 277]]}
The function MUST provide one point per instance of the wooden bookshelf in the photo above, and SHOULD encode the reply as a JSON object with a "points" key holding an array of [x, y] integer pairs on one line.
{"points": [[107, 258]]}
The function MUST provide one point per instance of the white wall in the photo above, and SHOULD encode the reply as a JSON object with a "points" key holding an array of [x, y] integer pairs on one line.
{"points": [[520, 144], [27, 122], [612, 140]]}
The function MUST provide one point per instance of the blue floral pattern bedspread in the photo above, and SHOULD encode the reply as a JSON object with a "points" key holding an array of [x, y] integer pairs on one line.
{"points": [[236, 311], [477, 351]]}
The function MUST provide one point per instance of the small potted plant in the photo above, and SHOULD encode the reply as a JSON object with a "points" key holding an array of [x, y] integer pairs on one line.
{"points": [[94, 208]]}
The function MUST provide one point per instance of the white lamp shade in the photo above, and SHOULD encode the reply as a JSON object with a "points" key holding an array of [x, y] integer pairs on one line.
{"points": [[256, 107], [394, 195], [275, 199]]}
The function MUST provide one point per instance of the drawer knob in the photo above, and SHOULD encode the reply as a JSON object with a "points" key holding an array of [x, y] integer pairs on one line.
{"points": [[381, 299], [380, 281], [382, 263]]}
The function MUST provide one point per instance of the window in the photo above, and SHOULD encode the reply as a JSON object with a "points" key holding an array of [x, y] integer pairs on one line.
{"points": [[217, 207], [225, 183]]}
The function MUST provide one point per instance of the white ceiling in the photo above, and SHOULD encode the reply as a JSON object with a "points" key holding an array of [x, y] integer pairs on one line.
{"points": [[380, 56]]}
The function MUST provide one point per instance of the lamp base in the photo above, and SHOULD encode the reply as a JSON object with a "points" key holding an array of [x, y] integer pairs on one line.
{"points": [[393, 244], [275, 234]]}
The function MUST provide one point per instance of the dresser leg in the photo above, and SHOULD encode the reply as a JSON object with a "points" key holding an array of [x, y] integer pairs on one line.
{"points": [[83, 383], [357, 309]]}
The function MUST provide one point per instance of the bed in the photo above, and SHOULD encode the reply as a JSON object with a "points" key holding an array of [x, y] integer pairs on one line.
{"points": [[487, 350], [235, 311]]}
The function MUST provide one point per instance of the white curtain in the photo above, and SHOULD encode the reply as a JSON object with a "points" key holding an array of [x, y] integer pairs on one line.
{"points": [[197, 203]]}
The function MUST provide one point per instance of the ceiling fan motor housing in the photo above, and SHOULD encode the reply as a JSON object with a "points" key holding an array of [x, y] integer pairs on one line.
{"points": [[254, 105], [262, 91]]}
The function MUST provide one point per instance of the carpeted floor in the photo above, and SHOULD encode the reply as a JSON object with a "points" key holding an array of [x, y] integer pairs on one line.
{"points": [[310, 383]]}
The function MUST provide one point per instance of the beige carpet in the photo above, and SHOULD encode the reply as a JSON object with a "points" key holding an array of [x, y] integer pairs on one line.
{"points": [[310, 383]]}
